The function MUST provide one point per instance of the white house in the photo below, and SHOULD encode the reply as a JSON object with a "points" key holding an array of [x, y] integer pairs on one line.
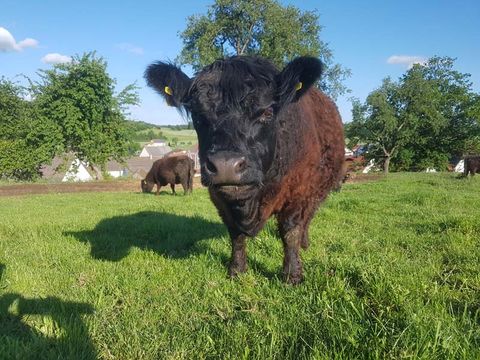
{"points": [[155, 151], [116, 169], [77, 171], [67, 168]]}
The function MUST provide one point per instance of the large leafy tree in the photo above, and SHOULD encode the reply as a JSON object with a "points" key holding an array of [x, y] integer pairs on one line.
{"points": [[79, 97], [259, 27], [448, 113], [27, 140], [429, 117], [381, 122]]}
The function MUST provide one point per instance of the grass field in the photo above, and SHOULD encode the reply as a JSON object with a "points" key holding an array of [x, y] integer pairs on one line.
{"points": [[393, 272], [185, 138]]}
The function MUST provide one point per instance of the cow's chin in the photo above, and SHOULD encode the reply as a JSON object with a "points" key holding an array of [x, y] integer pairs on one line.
{"points": [[242, 204]]}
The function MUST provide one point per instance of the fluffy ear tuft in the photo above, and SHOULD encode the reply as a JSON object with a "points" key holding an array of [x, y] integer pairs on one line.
{"points": [[297, 77], [169, 81]]}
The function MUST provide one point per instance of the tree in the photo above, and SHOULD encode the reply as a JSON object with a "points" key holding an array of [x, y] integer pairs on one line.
{"points": [[428, 118], [27, 140], [79, 98], [381, 122], [259, 27], [448, 113]]}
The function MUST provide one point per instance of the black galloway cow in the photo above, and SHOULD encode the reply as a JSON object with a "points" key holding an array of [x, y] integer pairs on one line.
{"points": [[270, 143], [471, 165], [170, 170]]}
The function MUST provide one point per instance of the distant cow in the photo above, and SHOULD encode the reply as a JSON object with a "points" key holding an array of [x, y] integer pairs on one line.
{"points": [[270, 143], [170, 170], [471, 165]]}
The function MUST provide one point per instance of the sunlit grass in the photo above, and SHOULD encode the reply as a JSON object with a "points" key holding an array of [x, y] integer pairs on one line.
{"points": [[392, 272]]}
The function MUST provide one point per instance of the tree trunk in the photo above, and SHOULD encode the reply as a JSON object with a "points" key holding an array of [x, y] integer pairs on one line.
{"points": [[386, 164], [98, 174]]}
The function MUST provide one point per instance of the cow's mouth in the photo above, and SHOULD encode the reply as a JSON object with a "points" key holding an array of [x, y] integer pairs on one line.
{"points": [[236, 192]]}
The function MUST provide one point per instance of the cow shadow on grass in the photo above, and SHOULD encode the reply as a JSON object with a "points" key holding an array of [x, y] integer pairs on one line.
{"points": [[167, 234], [19, 340], [173, 236]]}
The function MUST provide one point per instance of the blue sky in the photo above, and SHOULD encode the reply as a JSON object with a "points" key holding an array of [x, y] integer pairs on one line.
{"points": [[363, 35]]}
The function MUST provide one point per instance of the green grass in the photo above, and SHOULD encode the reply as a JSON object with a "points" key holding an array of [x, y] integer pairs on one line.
{"points": [[392, 272], [182, 135], [185, 138]]}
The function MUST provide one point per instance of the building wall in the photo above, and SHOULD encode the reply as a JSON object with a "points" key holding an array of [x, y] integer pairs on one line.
{"points": [[116, 174], [77, 172]]}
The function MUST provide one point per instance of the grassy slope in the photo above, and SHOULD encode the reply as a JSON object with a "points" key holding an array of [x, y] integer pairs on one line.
{"points": [[184, 137], [392, 272]]}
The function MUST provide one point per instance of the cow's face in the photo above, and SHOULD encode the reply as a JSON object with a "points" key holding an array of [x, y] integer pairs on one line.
{"points": [[146, 186], [235, 105]]}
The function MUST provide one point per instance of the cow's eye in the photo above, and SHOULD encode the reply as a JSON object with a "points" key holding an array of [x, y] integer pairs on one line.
{"points": [[267, 115]]}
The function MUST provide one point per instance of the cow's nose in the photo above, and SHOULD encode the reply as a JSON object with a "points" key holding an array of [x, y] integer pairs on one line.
{"points": [[225, 168]]}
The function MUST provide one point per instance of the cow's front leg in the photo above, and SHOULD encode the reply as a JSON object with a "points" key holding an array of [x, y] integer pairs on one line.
{"points": [[238, 261], [158, 189], [292, 264], [173, 189]]}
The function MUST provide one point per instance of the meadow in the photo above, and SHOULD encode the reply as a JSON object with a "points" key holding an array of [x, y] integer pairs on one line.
{"points": [[184, 138], [392, 272]]}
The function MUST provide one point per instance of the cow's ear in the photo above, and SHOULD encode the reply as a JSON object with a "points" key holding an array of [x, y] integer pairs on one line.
{"points": [[169, 81], [297, 77]]}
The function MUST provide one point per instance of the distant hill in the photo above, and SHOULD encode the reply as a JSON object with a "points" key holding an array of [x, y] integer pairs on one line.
{"points": [[177, 136]]}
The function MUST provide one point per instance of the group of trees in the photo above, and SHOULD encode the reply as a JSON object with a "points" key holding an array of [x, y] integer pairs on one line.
{"points": [[429, 118], [425, 119], [72, 108]]}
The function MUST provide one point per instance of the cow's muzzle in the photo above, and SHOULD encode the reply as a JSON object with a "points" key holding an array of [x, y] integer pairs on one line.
{"points": [[226, 168]]}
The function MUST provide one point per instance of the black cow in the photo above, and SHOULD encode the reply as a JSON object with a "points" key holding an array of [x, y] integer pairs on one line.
{"points": [[471, 165], [270, 143], [170, 170]]}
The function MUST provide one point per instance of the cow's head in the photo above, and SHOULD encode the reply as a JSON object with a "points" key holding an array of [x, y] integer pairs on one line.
{"points": [[235, 105], [146, 186]]}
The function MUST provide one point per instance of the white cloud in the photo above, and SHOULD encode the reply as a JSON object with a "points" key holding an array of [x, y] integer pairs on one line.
{"points": [[55, 58], [130, 48], [8, 42], [28, 42], [406, 60]]}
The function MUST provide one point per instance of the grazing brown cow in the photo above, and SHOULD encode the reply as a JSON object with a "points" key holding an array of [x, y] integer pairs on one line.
{"points": [[170, 170], [471, 165], [270, 143]]}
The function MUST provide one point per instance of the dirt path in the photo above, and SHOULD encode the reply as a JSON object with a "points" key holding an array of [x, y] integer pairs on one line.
{"points": [[99, 186], [119, 186]]}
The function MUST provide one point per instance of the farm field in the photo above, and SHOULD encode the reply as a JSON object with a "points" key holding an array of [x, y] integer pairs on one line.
{"points": [[184, 138], [392, 272]]}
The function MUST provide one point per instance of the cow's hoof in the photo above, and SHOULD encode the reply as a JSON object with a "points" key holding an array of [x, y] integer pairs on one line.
{"points": [[293, 279], [235, 270]]}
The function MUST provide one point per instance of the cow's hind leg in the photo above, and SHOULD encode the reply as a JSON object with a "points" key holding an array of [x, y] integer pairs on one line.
{"points": [[185, 188], [238, 261]]}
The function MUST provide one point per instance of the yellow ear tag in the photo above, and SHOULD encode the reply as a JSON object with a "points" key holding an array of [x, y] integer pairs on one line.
{"points": [[168, 90], [298, 86]]}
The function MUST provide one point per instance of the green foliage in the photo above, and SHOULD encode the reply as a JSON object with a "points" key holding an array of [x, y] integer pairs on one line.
{"points": [[27, 139], [430, 117], [79, 98], [259, 27], [388, 275]]}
